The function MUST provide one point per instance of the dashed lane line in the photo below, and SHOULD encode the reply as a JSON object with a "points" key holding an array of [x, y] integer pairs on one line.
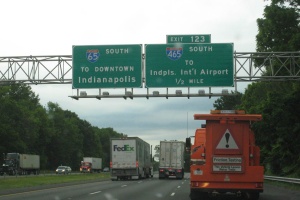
{"points": [[95, 192]]}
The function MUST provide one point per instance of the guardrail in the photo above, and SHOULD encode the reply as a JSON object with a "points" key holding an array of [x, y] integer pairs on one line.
{"points": [[283, 179]]}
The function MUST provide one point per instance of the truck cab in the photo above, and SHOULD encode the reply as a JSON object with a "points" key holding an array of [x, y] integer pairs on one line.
{"points": [[10, 164], [85, 167], [224, 158]]}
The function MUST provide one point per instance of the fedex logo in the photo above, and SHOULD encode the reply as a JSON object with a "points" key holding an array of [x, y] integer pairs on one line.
{"points": [[124, 148]]}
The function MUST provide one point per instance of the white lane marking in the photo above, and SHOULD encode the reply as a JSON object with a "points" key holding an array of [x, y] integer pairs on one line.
{"points": [[95, 192], [178, 187], [172, 194], [124, 186], [140, 181]]}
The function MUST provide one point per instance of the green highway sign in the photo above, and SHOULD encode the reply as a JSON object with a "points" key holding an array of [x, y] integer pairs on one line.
{"points": [[203, 38], [107, 66], [189, 65]]}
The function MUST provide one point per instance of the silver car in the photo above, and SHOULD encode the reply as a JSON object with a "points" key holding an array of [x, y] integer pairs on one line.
{"points": [[63, 170], [106, 169]]}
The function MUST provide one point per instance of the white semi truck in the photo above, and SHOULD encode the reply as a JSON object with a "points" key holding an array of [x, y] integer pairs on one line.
{"points": [[22, 164], [171, 160], [130, 159], [90, 165]]}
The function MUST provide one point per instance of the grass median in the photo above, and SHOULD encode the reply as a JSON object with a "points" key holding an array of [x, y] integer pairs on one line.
{"points": [[42, 180]]}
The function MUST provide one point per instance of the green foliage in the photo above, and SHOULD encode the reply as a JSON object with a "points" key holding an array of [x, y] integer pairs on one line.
{"points": [[228, 102], [104, 135], [278, 30], [20, 122], [278, 133], [59, 136]]}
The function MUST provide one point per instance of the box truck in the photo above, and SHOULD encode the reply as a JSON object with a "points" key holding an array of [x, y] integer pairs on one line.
{"points": [[130, 158], [91, 165], [21, 164], [224, 157], [171, 159]]}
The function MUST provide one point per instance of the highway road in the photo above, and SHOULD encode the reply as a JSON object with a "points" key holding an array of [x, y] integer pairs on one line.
{"points": [[146, 189]]}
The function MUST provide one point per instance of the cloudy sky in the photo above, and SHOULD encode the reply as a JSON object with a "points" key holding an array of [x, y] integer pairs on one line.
{"points": [[35, 27]]}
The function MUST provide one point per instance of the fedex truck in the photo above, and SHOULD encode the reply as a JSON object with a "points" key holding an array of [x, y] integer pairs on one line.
{"points": [[130, 158]]}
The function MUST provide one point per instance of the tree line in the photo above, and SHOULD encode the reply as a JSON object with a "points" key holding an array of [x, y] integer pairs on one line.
{"points": [[59, 136], [278, 134]]}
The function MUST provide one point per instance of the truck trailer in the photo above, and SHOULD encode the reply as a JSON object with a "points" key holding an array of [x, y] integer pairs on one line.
{"points": [[171, 159], [224, 157], [21, 164], [130, 158], [91, 165]]}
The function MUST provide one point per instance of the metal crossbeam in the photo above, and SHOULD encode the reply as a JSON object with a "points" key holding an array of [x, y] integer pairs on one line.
{"points": [[58, 69], [248, 67], [36, 69], [277, 63]]}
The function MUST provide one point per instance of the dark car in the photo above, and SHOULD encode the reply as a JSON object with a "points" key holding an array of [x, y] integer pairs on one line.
{"points": [[63, 170]]}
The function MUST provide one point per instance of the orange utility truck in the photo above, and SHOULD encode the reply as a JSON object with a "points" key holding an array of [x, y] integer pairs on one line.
{"points": [[224, 157]]}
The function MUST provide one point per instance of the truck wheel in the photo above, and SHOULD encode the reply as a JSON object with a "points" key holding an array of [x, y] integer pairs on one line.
{"points": [[254, 195], [251, 195], [193, 195], [196, 195]]}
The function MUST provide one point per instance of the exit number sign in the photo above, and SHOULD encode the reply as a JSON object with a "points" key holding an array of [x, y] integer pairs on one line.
{"points": [[203, 38]]}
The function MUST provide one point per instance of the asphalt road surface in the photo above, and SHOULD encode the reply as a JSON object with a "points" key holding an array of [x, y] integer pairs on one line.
{"points": [[146, 189]]}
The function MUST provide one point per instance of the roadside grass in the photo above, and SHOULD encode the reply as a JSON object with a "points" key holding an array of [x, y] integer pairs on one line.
{"points": [[290, 186], [31, 181]]}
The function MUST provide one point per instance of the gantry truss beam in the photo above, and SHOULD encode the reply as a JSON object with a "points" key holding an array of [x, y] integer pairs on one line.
{"points": [[248, 67], [58, 69], [36, 69], [281, 66]]}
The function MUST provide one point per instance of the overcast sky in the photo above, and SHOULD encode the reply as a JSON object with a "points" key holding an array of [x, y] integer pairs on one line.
{"points": [[43, 27]]}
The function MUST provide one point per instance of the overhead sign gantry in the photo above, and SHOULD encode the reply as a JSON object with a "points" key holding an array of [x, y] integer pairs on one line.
{"points": [[107, 66], [189, 65]]}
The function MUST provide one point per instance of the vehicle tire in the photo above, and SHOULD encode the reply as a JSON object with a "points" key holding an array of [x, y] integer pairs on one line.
{"points": [[193, 195], [254, 196], [251, 195], [196, 195]]}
